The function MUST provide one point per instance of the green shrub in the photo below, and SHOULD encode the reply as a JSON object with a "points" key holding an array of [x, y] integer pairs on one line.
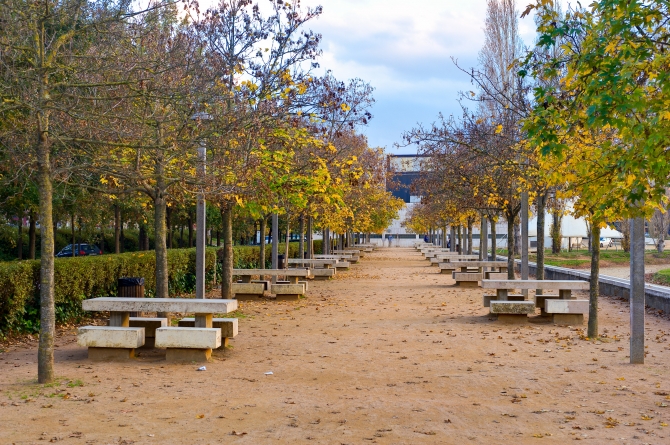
{"points": [[88, 277]]}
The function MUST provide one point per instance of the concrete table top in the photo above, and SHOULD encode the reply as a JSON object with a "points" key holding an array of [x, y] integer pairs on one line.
{"points": [[188, 305]]}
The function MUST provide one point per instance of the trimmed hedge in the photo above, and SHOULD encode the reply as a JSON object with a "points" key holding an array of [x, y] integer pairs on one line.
{"points": [[88, 277]]}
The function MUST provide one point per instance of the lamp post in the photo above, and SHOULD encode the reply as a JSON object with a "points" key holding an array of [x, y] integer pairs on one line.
{"points": [[200, 216]]}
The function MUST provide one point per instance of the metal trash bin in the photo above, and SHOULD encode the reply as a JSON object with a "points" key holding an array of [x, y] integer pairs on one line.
{"points": [[280, 262], [130, 287]]}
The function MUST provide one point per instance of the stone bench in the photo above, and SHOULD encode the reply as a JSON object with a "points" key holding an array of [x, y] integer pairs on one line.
{"points": [[540, 299], [513, 297], [228, 327], [567, 312], [512, 311], [150, 325], [490, 275], [287, 291], [323, 274], [248, 291], [110, 342], [188, 344], [313, 264], [467, 279]]}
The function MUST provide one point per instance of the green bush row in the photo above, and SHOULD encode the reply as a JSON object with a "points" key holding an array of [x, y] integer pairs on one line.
{"points": [[88, 277]]}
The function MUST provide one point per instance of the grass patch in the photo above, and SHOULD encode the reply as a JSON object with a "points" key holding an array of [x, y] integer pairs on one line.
{"points": [[662, 277], [581, 259], [75, 383]]}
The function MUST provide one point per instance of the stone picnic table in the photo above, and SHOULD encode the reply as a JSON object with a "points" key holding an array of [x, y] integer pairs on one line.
{"points": [[514, 308], [283, 291], [322, 262], [119, 340], [465, 265], [292, 275]]}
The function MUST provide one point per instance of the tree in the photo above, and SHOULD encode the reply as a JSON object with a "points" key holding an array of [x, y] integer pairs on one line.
{"points": [[44, 84]]}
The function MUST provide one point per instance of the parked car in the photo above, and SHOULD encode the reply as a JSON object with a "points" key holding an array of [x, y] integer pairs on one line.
{"points": [[80, 250], [606, 242]]}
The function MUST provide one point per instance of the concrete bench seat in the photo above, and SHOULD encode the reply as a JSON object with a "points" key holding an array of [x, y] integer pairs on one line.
{"points": [[291, 274], [248, 291], [110, 342], [490, 275], [512, 297], [318, 262], [540, 299], [265, 283], [287, 291], [323, 274], [467, 279], [567, 312], [184, 344], [512, 311], [228, 327]]}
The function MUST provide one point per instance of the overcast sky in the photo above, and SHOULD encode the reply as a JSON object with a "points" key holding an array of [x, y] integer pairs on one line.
{"points": [[404, 50]]}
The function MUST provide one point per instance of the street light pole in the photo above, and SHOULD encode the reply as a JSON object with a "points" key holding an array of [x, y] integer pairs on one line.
{"points": [[200, 235]]}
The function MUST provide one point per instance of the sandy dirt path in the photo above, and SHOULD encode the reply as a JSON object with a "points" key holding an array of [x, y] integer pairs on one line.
{"points": [[389, 352]]}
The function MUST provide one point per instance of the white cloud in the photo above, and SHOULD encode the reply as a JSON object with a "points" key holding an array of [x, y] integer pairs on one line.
{"points": [[404, 49]]}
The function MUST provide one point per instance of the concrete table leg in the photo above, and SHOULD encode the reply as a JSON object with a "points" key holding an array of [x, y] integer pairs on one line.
{"points": [[121, 319], [501, 294], [565, 294], [203, 320]]}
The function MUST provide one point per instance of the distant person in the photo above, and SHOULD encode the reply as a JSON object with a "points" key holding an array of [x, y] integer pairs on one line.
{"points": [[449, 244], [390, 240], [425, 238]]}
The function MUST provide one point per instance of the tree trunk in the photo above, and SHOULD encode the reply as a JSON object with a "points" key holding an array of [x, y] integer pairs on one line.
{"points": [[74, 240], [45, 352], [168, 226], [160, 243], [123, 239], [469, 237], [19, 240], [142, 234], [594, 288], [310, 238], [261, 257], [227, 266], [494, 241], [117, 229], [541, 206], [190, 229], [452, 239], [510, 247], [31, 236], [301, 243], [288, 235], [459, 244], [555, 232]]}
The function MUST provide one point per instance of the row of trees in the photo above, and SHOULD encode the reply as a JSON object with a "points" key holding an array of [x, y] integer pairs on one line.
{"points": [[576, 123], [109, 110]]}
